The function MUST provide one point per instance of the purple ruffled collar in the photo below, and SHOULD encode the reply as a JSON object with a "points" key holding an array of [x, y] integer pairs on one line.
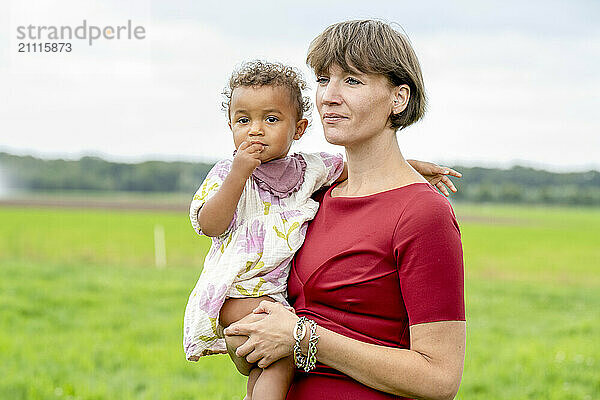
{"points": [[282, 176]]}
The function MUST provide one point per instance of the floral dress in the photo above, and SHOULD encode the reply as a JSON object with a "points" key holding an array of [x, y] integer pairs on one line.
{"points": [[252, 257]]}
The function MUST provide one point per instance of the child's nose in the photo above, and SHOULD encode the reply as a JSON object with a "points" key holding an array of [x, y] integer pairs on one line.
{"points": [[256, 130]]}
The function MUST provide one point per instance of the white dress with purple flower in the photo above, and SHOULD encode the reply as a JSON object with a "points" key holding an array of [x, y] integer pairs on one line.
{"points": [[252, 258]]}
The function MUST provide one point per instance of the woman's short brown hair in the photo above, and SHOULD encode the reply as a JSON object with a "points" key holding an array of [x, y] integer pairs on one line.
{"points": [[259, 73], [371, 46]]}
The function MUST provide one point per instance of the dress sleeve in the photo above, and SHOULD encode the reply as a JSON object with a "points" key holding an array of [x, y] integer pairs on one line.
{"points": [[428, 252], [334, 165], [213, 181]]}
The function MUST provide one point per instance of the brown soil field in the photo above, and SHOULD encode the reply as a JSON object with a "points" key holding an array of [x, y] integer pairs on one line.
{"points": [[94, 204], [176, 206]]}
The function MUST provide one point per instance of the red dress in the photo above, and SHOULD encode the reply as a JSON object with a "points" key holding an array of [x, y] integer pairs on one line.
{"points": [[369, 268]]}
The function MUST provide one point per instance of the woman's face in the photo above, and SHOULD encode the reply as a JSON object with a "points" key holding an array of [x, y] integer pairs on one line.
{"points": [[354, 106]]}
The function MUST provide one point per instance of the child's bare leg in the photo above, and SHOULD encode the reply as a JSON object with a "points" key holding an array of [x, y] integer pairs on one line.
{"points": [[233, 342], [274, 381], [252, 377], [232, 311]]}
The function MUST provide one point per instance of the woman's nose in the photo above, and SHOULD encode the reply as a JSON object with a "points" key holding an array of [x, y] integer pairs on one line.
{"points": [[330, 94]]}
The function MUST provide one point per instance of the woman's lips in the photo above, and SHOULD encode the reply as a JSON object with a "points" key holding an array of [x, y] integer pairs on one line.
{"points": [[332, 118]]}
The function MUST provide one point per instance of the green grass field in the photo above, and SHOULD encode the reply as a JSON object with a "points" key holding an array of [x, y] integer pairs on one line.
{"points": [[86, 315]]}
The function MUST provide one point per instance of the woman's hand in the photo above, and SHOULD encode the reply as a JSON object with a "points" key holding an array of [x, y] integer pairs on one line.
{"points": [[436, 175], [269, 338]]}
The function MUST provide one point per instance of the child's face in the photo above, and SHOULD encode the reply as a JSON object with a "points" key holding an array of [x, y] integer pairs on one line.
{"points": [[266, 115]]}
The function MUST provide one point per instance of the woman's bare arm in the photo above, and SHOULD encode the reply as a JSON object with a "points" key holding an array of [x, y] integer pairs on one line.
{"points": [[430, 369]]}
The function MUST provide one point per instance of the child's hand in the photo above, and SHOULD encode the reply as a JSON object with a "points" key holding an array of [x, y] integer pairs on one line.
{"points": [[247, 157], [437, 176]]}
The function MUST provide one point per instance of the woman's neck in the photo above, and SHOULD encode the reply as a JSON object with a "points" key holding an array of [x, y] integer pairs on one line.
{"points": [[375, 166]]}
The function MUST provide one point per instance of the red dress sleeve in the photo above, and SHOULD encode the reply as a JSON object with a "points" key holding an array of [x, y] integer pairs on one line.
{"points": [[429, 257]]}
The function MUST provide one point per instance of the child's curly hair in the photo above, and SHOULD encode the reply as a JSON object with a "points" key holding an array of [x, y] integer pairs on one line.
{"points": [[263, 73]]}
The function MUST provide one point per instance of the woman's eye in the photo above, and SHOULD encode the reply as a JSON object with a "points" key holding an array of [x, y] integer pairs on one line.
{"points": [[272, 119], [322, 80], [353, 81]]}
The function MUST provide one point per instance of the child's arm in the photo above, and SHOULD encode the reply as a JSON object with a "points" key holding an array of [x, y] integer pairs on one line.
{"points": [[436, 175], [344, 175], [216, 214]]}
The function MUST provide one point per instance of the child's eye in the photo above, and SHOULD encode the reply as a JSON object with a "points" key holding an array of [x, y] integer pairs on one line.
{"points": [[322, 80], [353, 81], [272, 119], [243, 120]]}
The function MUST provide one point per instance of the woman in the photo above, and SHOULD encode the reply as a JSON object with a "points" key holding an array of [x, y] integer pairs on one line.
{"points": [[380, 275]]}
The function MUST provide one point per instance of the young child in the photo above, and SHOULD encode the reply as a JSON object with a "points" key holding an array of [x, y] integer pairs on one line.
{"points": [[256, 208]]}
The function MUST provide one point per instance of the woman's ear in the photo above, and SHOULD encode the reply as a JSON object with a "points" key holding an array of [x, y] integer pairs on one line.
{"points": [[400, 100], [300, 128]]}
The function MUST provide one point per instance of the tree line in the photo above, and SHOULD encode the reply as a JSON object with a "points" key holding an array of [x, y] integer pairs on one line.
{"points": [[515, 185]]}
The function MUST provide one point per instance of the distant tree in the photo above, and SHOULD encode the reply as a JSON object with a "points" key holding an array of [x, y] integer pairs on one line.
{"points": [[515, 185]]}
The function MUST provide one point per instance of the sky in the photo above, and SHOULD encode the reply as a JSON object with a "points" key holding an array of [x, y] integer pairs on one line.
{"points": [[508, 82]]}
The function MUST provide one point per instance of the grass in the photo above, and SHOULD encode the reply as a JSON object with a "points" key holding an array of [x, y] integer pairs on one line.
{"points": [[539, 244], [97, 237], [531, 341], [86, 315], [101, 333]]}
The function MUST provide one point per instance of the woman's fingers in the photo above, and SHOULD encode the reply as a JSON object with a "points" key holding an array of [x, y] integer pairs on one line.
{"points": [[245, 349], [237, 329], [256, 355], [269, 334], [261, 362], [251, 357], [264, 363], [265, 307], [251, 353]]}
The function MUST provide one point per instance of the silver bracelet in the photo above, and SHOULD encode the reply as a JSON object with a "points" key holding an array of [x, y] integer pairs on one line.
{"points": [[311, 358], [309, 361], [299, 333]]}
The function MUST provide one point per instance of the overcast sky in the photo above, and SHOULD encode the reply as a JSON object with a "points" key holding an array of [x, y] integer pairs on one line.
{"points": [[508, 81]]}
